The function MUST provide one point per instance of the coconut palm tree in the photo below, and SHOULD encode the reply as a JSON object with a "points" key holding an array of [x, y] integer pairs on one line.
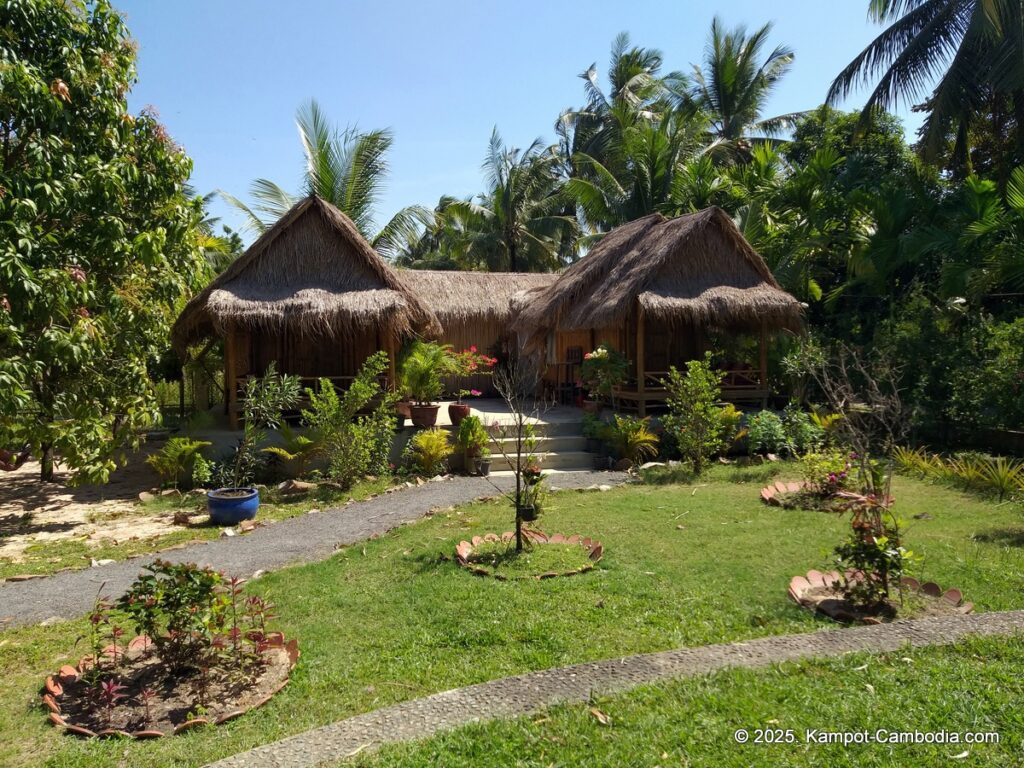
{"points": [[519, 224], [971, 47], [346, 168], [734, 84]]}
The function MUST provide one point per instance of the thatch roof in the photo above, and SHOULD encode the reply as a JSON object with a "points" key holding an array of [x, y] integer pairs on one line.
{"points": [[311, 272], [695, 269], [459, 297]]}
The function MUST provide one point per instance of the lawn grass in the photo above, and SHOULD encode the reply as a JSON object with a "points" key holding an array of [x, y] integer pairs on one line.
{"points": [[395, 618], [972, 686], [500, 559], [52, 556]]}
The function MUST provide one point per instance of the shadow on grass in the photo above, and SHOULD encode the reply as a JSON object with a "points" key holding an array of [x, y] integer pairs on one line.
{"points": [[1006, 537]]}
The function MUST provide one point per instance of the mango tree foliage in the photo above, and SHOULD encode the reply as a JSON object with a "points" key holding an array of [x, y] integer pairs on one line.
{"points": [[97, 236]]}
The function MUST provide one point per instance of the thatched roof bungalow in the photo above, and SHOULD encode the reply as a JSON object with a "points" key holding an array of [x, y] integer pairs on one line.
{"points": [[312, 295], [656, 288]]}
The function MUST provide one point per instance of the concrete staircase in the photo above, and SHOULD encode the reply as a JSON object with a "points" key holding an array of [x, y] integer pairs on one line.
{"points": [[561, 447]]}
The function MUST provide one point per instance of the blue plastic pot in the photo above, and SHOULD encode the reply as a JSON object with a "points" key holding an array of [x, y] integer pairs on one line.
{"points": [[230, 506]]}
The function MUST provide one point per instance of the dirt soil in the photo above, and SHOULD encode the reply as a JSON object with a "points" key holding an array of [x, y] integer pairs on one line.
{"points": [[916, 605], [33, 512], [175, 698]]}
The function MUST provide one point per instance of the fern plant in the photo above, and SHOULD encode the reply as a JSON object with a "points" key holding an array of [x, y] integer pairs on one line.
{"points": [[298, 450], [175, 459]]}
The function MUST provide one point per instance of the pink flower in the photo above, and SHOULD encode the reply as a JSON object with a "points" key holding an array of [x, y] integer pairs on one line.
{"points": [[472, 348], [475, 392]]}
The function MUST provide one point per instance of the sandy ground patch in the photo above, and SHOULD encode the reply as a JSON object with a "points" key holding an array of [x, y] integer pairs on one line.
{"points": [[33, 512]]}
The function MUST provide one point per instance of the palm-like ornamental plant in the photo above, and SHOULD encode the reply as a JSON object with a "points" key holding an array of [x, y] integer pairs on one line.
{"points": [[347, 169]]}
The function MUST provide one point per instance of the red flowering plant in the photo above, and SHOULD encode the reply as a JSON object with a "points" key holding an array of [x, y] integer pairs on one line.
{"points": [[470, 362]]}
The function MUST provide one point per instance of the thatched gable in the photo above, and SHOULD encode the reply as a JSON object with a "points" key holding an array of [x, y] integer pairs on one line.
{"points": [[460, 297], [313, 273], [695, 269]]}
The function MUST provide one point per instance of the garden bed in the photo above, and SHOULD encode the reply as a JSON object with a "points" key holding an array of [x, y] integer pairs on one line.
{"points": [[157, 702]]}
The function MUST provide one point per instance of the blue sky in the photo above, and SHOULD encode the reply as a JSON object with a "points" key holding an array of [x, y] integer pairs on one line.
{"points": [[226, 76]]}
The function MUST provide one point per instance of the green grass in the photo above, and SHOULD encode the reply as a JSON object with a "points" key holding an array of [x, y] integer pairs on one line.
{"points": [[395, 618], [500, 558], [974, 686], [52, 556]]}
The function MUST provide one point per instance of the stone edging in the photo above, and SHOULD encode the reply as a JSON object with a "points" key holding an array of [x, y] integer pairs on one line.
{"points": [[523, 694]]}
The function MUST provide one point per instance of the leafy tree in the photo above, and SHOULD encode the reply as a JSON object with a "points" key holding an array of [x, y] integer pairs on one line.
{"points": [[345, 168], [98, 236], [695, 418]]}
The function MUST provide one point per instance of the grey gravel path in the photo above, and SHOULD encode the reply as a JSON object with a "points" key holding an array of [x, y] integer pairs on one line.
{"points": [[523, 694], [299, 539]]}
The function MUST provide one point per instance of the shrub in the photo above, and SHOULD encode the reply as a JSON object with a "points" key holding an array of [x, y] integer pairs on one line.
{"points": [[265, 399], [180, 607], [603, 369], [428, 450], [765, 433], [298, 450], [354, 445], [202, 472], [632, 439], [827, 473], [802, 434], [873, 554], [695, 419], [472, 436], [421, 368], [176, 459]]}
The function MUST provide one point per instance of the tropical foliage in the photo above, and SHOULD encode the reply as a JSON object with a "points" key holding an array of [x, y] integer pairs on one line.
{"points": [[100, 237]]}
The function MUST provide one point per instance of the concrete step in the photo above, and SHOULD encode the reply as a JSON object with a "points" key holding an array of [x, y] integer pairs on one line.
{"points": [[556, 444], [564, 460]]}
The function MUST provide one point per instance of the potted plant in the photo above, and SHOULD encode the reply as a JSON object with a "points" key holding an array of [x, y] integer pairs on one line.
{"points": [[420, 375], [459, 410], [265, 399], [483, 462], [468, 362], [529, 503], [603, 371], [470, 440]]}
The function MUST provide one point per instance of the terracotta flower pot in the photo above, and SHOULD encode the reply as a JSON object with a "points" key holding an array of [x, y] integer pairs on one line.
{"points": [[457, 412], [424, 415]]}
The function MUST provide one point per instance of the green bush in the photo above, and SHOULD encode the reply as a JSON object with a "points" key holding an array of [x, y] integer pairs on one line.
{"points": [[472, 436], [421, 368], [990, 391], [632, 439], [354, 445], [695, 420], [802, 433], [827, 473], [428, 451], [765, 433], [175, 459]]}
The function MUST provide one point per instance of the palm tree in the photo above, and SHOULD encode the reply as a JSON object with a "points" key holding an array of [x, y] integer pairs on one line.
{"points": [[636, 94], [518, 224], [973, 48], [734, 85], [660, 167], [346, 168]]}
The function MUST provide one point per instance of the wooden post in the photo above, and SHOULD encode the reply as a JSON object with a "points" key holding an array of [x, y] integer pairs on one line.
{"points": [[230, 384], [764, 365], [392, 367], [641, 402]]}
